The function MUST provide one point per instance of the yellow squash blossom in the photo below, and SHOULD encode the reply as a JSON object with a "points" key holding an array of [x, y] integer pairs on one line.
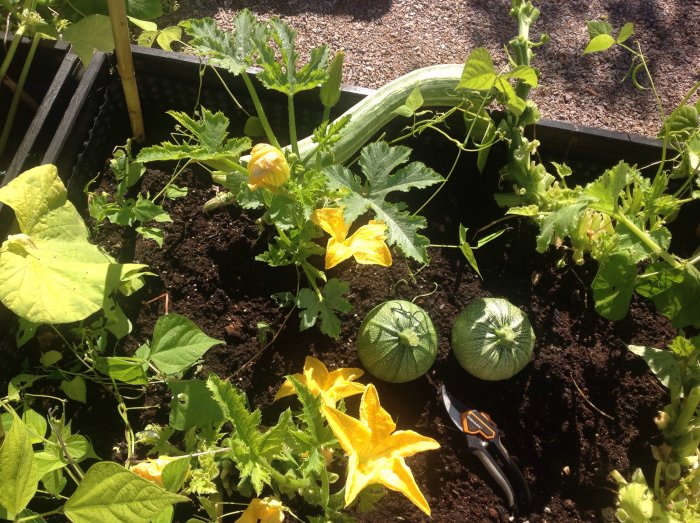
{"points": [[376, 453], [266, 510], [367, 244], [267, 167], [152, 469], [332, 386]]}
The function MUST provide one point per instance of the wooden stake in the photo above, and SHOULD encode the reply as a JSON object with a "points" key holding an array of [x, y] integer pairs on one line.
{"points": [[125, 65]]}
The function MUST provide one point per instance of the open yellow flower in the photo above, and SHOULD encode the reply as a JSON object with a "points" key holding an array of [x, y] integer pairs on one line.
{"points": [[332, 386], [267, 167], [266, 510], [152, 469], [367, 244], [376, 452]]}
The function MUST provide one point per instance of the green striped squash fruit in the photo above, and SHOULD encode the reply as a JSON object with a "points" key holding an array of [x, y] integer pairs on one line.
{"points": [[397, 342], [492, 339]]}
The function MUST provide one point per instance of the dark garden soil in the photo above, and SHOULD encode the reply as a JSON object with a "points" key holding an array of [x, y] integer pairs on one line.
{"points": [[582, 408]]}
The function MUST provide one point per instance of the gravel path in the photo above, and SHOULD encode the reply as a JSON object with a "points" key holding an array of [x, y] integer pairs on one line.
{"points": [[384, 39]]}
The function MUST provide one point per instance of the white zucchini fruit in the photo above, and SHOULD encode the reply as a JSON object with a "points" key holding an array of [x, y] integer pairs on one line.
{"points": [[492, 339], [397, 342]]}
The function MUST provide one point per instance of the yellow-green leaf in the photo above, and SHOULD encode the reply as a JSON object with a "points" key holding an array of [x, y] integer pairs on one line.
{"points": [[111, 493], [50, 273], [92, 33], [599, 43], [18, 471]]}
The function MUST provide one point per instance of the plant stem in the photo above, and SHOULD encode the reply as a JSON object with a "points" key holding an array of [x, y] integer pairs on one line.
{"points": [[687, 411], [18, 92], [645, 238], [11, 51], [260, 111], [36, 516], [292, 125]]}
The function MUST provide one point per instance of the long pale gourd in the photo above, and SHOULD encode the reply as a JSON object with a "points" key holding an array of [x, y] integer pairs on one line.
{"points": [[437, 85]]}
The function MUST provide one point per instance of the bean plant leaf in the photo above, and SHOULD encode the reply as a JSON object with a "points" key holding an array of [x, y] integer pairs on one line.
{"points": [[92, 33], [193, 406], [479, 73], [626, 31], [175, 473], [75, 389], [50, 273], [599, 43], [109, 492], [412, 104], [674, 292], [524, 73], [662, 363], [206, 142], [598, 27], [18, 470], [120, 368], [378, 161], [325, 307], [613, 286], [178, 344], [681, 123], [139, 9], [231, 50], [283, 75]]}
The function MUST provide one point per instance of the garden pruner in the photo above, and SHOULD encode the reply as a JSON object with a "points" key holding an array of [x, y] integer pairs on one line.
{"points": [[484, 440]]}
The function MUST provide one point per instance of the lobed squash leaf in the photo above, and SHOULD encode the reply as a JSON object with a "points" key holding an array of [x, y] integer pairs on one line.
{"points": [[231, 50], [206, 141], [378, 162], [251, 449], [283, 75], [313, 307]]}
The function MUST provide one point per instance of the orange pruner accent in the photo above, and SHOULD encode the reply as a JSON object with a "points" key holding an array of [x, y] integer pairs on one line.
{"points": [[478, 423]]}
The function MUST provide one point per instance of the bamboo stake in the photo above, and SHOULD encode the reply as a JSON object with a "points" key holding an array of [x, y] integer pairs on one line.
{"points": [[125, 65]]}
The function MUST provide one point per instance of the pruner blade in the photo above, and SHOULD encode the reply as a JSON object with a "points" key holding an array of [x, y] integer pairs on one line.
{"points": [[484, 440]]}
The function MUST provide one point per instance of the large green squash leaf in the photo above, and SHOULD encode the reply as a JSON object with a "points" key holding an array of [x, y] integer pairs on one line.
{"points": [[50, 273], [110, 493]]}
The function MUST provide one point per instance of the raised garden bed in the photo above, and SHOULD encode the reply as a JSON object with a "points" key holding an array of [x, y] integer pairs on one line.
{"points": [[583, 407]]}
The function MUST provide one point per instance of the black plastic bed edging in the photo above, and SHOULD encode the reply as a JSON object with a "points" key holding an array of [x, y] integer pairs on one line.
{"points": [[54, 75], [96, 120], [170, 80]]}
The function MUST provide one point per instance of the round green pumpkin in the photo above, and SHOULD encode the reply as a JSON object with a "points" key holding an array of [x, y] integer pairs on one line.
{"points": [[492, 339], [397, 341]]}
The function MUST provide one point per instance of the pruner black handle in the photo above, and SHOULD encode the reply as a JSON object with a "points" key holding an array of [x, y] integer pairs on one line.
{"points": [[484, 439]]}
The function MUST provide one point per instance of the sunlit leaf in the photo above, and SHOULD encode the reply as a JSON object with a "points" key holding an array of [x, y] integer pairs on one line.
{"points": [[599, 43], [18, 470], [109, 492], [178, 344], [92, 33]]}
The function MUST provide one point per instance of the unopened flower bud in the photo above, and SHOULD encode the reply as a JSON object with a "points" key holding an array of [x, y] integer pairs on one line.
{"points": [[267, 167], [330, 90], [662, 420]]}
